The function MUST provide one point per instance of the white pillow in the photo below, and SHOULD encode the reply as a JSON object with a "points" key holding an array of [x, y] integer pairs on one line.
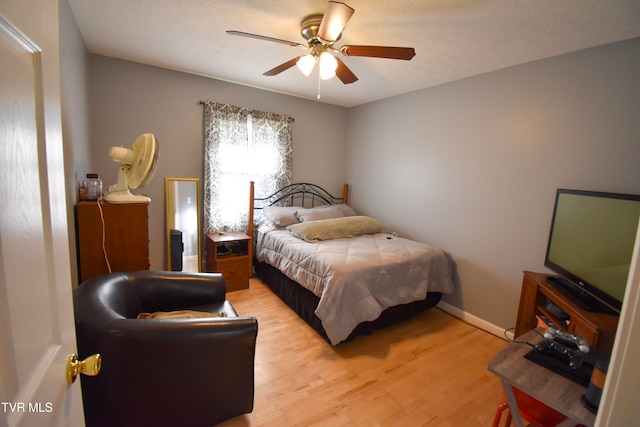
{"points": [[281, 216], [306, 215], [346, 209]]}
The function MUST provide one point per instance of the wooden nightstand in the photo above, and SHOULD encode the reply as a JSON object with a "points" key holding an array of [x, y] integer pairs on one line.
{"points": [[230, 254]]}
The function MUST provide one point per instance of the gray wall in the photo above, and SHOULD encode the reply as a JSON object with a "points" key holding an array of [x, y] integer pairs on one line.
{"points": [[472, 166], [75, 117], [127, 99]]}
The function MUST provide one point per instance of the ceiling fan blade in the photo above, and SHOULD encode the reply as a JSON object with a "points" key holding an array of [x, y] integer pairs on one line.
{"points": [[335, 19], [344, 73], [390, 52], [266, 38], [282, 67]]}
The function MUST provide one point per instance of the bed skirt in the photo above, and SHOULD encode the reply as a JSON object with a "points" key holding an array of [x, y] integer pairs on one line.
{"points": [[303, 302]]}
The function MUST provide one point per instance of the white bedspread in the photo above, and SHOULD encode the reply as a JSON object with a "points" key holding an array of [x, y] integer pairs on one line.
{"points": [[357, 278]]}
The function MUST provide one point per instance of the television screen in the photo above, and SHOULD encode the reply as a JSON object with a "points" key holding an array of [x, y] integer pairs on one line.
{"points": [[591, 242]]}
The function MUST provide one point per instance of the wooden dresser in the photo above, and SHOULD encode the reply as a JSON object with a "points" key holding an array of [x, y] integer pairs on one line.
{"points": [[126, 237]]}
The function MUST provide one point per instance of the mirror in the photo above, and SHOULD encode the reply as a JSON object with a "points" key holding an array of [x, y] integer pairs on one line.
{"points": [[182, 202]]}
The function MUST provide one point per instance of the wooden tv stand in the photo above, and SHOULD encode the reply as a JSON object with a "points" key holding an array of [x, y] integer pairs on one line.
{"points": [[598, 328]]}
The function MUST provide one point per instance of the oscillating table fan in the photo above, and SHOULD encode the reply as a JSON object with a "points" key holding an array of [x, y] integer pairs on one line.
{"points": [[137, 165]]}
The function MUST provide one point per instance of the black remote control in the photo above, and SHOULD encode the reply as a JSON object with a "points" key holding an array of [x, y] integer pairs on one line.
{"points": [[575, 357]]}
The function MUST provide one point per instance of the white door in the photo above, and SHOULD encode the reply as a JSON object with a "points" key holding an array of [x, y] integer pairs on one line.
{"points": [[36, 329]]}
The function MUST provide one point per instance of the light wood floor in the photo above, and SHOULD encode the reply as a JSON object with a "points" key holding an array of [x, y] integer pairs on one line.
{"points": [[428, 371]]}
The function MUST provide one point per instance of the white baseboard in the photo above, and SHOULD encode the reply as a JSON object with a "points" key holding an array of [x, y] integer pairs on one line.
{"points": [[474, 320]]}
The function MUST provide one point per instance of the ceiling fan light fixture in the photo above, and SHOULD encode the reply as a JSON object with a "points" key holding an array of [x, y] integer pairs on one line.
{"points": [[335, 19], [328, 65], [306, 63]]}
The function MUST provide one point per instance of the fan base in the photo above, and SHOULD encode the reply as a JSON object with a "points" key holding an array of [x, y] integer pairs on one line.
{"points": [[124, 196]]}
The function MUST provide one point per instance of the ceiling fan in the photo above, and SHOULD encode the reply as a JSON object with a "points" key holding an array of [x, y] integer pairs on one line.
{"points": [[321, 32]]}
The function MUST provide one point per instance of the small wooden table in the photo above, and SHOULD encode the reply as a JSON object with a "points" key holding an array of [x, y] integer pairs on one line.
{"points": [[552, 389], [235, 265]]}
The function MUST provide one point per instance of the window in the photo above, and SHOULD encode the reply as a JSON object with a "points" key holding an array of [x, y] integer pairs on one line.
{"points": [[241, 146]]}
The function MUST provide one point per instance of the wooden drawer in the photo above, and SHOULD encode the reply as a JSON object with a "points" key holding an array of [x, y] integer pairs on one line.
{"points": [[235, 272]]}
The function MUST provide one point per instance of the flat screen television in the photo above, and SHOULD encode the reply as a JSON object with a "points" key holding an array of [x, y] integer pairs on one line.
{"points": [[590, 246]]}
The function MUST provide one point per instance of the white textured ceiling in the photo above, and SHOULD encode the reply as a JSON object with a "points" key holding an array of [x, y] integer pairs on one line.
{"points": [[453, 39]]}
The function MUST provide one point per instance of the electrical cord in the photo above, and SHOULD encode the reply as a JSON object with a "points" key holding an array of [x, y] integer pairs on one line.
{"points": [[104, 237], [519, 342]]}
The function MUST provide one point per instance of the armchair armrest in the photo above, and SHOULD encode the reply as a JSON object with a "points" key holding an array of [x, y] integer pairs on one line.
{"points": [[216, 331]]}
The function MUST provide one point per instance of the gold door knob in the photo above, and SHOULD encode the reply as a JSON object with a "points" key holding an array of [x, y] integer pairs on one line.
{"points": [[89, 366]]}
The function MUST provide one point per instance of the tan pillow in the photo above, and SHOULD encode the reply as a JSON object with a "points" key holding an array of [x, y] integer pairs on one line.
{"points": [[336, 228], [180, 314]]}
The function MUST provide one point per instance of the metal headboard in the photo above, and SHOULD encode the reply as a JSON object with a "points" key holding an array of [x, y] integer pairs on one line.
{"points": [[300, 194]]}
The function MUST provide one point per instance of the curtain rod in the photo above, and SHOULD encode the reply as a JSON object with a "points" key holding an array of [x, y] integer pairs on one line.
{"points": [[290, 118]]}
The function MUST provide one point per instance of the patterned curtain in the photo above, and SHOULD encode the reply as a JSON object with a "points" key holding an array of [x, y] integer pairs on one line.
{"points": [[241, 146]]}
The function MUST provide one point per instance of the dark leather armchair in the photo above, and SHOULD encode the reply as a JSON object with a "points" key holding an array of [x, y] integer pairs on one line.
{"points": [[184, 372]]}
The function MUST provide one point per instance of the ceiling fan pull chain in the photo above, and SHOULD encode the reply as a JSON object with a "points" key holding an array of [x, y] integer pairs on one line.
{"points": [[319, 79]]}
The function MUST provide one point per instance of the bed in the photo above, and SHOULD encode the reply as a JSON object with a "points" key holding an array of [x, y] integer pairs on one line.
{"points": [[341, 272]]}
